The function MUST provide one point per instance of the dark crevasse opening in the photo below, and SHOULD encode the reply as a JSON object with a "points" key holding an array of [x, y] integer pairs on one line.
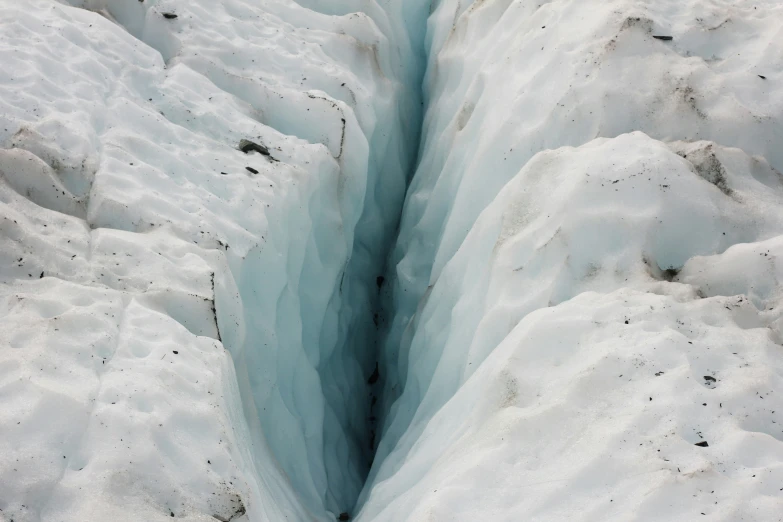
{"points": [[308, 359], [322, 426], [354, 401]]}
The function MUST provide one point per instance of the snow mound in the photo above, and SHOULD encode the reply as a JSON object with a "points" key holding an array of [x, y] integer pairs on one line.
{"points": [[566, 352], [584, 293]]}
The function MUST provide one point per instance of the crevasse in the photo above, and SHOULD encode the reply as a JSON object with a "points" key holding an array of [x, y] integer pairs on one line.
{"points": [[124, 127], [201, 316], [322, 425], [318, 409]]}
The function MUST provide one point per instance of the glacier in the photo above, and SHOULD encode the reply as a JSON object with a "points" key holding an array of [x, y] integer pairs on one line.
{"points": [[391, 260]]}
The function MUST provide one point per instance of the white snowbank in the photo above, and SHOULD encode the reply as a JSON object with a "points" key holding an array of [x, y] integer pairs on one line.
{"points": [[547, 358], [554, 369], [582, 308]]}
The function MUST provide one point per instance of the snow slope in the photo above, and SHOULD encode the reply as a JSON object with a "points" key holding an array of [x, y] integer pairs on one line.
{"points": [[171, 306], [585, 283], [580, 316]]}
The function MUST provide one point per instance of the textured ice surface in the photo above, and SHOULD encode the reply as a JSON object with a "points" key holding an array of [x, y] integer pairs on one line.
{"points": [[581, 311], [569, 322], [143, 252], [565, 364]]}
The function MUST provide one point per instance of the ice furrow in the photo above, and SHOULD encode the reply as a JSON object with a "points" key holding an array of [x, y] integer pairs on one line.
{"points": [[554, 195], [386, 260], [227, 243]]}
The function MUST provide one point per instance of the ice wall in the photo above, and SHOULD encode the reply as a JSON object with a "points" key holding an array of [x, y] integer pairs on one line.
{"points": [[585, 286], [580, 315], [197, 196]]}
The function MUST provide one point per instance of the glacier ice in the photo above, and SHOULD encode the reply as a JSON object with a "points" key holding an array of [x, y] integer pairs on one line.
{"points": [[131, 215], [558, 346], [568, 311]]}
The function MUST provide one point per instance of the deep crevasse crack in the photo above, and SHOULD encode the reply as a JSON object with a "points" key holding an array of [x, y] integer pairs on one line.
{"points": [[567, 326], [276, 255]]}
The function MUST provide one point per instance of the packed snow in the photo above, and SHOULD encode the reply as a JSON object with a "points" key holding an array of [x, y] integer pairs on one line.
{"points": [[383, 260]]}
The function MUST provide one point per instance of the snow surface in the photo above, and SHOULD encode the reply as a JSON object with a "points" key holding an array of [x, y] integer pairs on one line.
{"points": [[572, 315], [580, 316], [170, 317]]}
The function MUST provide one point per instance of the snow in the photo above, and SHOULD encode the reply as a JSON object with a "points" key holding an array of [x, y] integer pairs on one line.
{"points": [[563, 350], [577, 177], [578, 319], [199, 288]]}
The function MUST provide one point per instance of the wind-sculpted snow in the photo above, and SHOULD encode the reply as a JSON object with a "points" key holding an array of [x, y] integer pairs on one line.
{"points": [[585, 289], [143, 253]]}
